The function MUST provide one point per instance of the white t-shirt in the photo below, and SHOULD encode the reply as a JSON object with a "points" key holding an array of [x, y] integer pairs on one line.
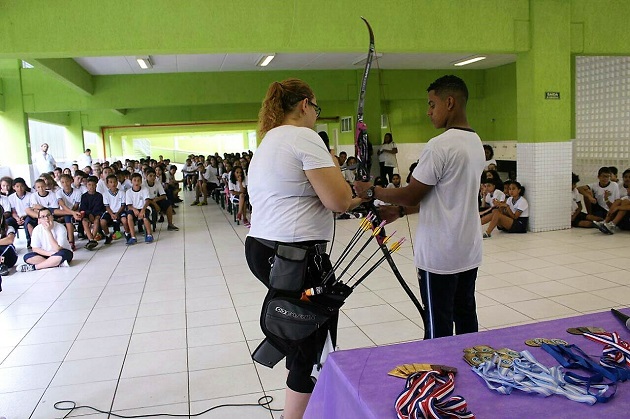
{"points": [[39, 237], [622, 190], [154, 191], [189, 169], [45, 162], [125, 186], [388, 158], [48, 201], [285, 206], [598, 193], [81, 188], [489, 162], [19, 205], [114, 201], [6, 204], [72, 199], [136, 199], [497, 194], [448, 237], [576, 199], [210, 175], [520, 205]]}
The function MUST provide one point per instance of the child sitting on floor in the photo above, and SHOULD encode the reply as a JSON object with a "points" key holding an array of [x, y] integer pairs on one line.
{"points": [[512, 215]]}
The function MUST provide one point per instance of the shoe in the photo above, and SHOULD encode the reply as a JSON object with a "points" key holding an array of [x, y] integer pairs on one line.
{"points": [[131, 241], [195, 203], [117, 235], [148, 239], [72, 246], [203, 203], [4, 270], [91, 245], [172, 227], [486, 235], [600, 225], [190, 188], [175, 206], [27, 267], [611, 227], [108, 239], [98, 237], [64, 264], [161, 219]]}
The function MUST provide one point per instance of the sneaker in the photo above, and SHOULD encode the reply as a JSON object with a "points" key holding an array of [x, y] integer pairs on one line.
{"points": [[91, 245], [4, 270], [172, 227], [108, 239], [148, 239], [611, 227], [161, 219], [131, 241], [64, 264], [203, 203], [27, 267], [600, 225], [486, 235], [117, 235], [195, 203], [98, 237]]}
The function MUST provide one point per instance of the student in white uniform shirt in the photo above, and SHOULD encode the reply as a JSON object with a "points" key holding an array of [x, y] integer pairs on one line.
{"points": [[41, 198], [512, 215], [618, 216], [492, 197], [138, 208], [238, 193], [599, 196], [20, 201], [69, 200], [50, 244], [579, 218], [159, 201], [445, 185]]}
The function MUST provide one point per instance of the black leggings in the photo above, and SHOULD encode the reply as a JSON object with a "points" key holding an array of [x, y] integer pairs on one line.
{"points": [[9, 254], [386, 172], [302, 357]]}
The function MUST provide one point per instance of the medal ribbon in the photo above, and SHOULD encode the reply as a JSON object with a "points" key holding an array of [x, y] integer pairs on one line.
{"points": [[616, 353], [427, 395]]}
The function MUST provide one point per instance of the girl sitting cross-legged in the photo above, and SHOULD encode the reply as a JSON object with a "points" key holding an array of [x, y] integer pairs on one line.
{"points": [[512, 215]]}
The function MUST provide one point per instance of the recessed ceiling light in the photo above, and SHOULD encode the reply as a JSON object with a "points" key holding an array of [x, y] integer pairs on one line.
{"points": [[144, 62], [265, 60], [468, 61]]}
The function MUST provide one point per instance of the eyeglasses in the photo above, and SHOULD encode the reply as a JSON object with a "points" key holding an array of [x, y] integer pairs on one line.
{"points": [[318, 110]]}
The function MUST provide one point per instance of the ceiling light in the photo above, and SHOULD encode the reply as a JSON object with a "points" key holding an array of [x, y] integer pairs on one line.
{"points": [[468, 61], [144, 62], [363, 58], [265, 60]]}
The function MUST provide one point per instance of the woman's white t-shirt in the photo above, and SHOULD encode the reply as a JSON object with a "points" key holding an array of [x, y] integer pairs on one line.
{"points": [[520, 205], [497, 194], [285, 206], [388, 158]]}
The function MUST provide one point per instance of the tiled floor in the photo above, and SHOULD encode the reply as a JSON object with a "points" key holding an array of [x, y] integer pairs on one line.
{"points": [[169, 327]]}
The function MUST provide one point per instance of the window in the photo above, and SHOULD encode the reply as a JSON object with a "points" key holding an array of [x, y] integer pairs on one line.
{"points": [[346, 124]]}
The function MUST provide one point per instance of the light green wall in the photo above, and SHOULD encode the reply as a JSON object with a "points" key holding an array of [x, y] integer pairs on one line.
{"points": [[13, 121]]}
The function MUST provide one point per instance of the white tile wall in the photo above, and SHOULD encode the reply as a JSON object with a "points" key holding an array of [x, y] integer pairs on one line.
{"points": [[602, 115], [544, 169]]}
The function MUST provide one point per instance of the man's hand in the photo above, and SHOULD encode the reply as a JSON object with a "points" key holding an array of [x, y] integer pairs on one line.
{"points": [[361, 187], [389, 213]]}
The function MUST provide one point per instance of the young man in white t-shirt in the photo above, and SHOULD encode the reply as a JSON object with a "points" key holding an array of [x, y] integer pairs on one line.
{"points": [[159, 201], [138, 203], [50, 244], [448, 244], [599, 196]]}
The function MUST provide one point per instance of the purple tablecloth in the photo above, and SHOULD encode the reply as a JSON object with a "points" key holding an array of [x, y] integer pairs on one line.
{"points": [[355, 384]]}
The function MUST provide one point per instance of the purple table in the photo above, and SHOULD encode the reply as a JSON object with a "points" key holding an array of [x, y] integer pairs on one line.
{"points": [[355, 384]]}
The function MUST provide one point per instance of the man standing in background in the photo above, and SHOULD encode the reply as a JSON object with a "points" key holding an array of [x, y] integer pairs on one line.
{"points": [[44, 161]]}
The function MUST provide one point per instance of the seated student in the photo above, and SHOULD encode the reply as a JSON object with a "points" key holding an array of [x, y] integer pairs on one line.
{"points": [[599, 196], [92, 208], [6, 204], [206, 184], [57, 175], [350, 170], [506, 186], [618, 216], [172, 184], [123, 179], [138, 208], [238, 192], [396, 181], [20, 201], [8, 254], [492, 198], [69, 200], [42, 198], [6, 186], [512, 215], [73, 169], [578, 218], [50, 244], [80, 177], [115, 211], [101, 186], [51, 184], [189, 171], [159, 201]]}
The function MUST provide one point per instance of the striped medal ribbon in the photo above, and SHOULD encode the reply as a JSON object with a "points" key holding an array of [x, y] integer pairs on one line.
{"points": [[427, 395], [616, 353]]}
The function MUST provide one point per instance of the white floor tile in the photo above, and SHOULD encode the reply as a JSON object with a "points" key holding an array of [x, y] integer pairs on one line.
{"points": [[154, 390], [155, 363], [220, 382]]}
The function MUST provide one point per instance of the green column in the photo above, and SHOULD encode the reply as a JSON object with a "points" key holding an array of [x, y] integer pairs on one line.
{"points": [[544, 150], [74, 136], [14, 135]]}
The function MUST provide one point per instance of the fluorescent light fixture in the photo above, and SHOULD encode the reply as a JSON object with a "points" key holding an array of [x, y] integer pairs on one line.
{"points": [[144, 62], [265, 60], [468, 61], [362, 59]]}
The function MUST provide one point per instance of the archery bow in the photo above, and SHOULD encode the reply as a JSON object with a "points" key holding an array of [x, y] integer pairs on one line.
{"points": [[362, 153]]}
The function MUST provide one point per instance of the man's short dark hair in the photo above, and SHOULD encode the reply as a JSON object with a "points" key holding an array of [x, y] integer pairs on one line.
{"points": [[613, 170], [449, 84], [135, 175], [93, 179], [343, 152], [149, 171]]}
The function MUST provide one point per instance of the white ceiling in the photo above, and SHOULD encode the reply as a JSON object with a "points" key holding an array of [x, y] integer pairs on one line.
{"points": [[247, 62]]}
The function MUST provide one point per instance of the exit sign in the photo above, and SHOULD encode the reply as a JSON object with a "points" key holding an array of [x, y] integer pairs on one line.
{"points": [[552, 95]]}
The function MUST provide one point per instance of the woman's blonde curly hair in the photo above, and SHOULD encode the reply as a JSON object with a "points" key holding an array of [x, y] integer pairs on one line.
{"points": [[280, 100]]}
